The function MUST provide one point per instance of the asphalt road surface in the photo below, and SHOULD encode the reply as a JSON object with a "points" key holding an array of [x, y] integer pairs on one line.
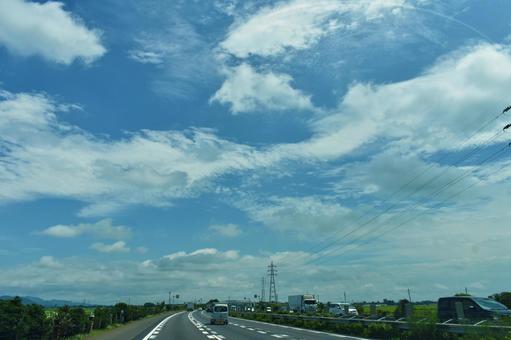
{"points": [[195, 326]]}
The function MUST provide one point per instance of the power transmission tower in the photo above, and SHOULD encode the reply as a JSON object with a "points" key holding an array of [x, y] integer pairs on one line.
{"points": [[263, 292], [272, 272]]}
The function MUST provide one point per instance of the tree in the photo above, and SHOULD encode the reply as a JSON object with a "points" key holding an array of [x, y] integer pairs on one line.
{"points": [[504, 298]]}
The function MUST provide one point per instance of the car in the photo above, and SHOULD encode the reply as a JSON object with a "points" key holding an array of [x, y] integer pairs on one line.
{"points": [[342, 309], [268, 309], [472, 308], [220, 314]]}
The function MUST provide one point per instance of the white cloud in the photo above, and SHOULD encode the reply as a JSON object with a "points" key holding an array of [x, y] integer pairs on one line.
{"points": [[62, 231], [227, 230], [297, 24], [46, 29], [49, 262], [247, 90], [44, 157], [101, 229], [302, 217], [117, 247], [146, 57], [468, 87]]}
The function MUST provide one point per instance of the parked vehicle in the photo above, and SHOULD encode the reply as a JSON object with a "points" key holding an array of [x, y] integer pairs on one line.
{"points": [[268, 309], [472, 308], [306, 303], [190, 306], [220, 314], [341, 309]]}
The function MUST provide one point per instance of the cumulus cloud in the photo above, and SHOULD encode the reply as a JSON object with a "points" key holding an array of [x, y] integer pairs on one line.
{"points": [[101, 229], [468, 88], [297, 24], [49, 262], [117, 247], [227, 230], [46, 29], [247, 90], [45, 157]]}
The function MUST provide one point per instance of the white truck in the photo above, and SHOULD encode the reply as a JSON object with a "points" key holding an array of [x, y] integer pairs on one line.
{"points": [[305, 303]]}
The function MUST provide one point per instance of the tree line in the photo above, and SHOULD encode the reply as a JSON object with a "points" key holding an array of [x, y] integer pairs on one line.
{"points": [[19, 321]]}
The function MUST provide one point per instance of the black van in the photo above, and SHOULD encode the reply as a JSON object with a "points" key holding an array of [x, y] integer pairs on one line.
{"points": [[474, 308]]}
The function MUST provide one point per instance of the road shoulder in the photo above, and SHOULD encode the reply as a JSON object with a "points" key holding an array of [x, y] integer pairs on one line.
{"points": [[129, 330]]}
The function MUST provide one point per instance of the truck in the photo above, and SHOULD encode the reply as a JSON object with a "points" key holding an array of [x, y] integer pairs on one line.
{"points": [[305, 303]]}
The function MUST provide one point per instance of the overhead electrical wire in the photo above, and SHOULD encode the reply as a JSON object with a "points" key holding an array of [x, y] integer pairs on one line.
{"points": [[400, 189]]}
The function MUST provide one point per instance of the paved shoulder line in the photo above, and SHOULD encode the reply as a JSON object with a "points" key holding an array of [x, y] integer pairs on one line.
{"points": [[156, 330], [300, 329]]}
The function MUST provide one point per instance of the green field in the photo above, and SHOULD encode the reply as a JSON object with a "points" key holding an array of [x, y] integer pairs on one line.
{"points": [[419, 311]]}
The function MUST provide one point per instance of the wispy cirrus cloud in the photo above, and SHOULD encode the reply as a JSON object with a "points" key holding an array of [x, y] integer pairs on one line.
{"points": [[298, 25], [226, 230]]}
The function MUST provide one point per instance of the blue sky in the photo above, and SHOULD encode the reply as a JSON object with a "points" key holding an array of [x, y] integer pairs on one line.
{"points": [[149, 146]]}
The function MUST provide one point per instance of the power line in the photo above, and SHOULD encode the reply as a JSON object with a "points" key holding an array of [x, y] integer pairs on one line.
{"points": [[400, 189], [456, 180], [465, 157]]}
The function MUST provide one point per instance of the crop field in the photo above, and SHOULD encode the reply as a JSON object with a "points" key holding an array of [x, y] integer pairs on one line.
{"points": [[419, 311]]}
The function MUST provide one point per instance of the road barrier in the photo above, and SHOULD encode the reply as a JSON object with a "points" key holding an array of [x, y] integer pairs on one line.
{"points": [[401, 323]]}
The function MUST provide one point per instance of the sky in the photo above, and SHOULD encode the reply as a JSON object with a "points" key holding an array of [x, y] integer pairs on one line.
{"points": [[152, 146]]}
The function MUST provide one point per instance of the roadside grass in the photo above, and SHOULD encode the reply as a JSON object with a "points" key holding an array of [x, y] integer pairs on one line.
{"points": [[109, 328]]}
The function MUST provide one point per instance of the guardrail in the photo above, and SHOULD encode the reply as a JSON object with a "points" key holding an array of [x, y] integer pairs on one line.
{"points": [[401, 323]]}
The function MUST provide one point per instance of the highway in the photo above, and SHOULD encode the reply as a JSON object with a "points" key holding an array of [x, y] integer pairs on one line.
{"points": [[195, 326]]}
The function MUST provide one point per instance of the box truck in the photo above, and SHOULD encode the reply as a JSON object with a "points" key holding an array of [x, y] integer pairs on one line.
{"points": [[305, 303]]}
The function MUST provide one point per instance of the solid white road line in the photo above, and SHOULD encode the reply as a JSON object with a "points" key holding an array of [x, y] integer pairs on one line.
{"points": [[152, 334]]}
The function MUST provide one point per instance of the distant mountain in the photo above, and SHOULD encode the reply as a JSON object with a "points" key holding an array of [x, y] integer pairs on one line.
{"points": [[27, 300]]}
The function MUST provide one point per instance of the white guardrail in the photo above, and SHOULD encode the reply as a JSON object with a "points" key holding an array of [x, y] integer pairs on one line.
{"points": [[402, 323]]}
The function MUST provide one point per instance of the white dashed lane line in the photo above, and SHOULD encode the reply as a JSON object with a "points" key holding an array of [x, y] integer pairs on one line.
{"points": [[204, 329]]}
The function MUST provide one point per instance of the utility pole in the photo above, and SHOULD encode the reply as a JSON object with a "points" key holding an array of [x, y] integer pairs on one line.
{"points": [[169, 297], [272, 272], [409, 296], [263, 284], [466, 290], [344, 297]]}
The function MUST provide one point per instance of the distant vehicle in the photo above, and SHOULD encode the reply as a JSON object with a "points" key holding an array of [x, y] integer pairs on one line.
{"points": [[306, 303], [220, 314], [339, 309], [268, 309], [232, 308], [474, 308], [190, 306]]}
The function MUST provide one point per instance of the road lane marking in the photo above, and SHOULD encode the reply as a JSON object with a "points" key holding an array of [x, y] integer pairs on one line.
{"points": [[302, 329], [151, 335], [203, 329], [262, 332]]}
